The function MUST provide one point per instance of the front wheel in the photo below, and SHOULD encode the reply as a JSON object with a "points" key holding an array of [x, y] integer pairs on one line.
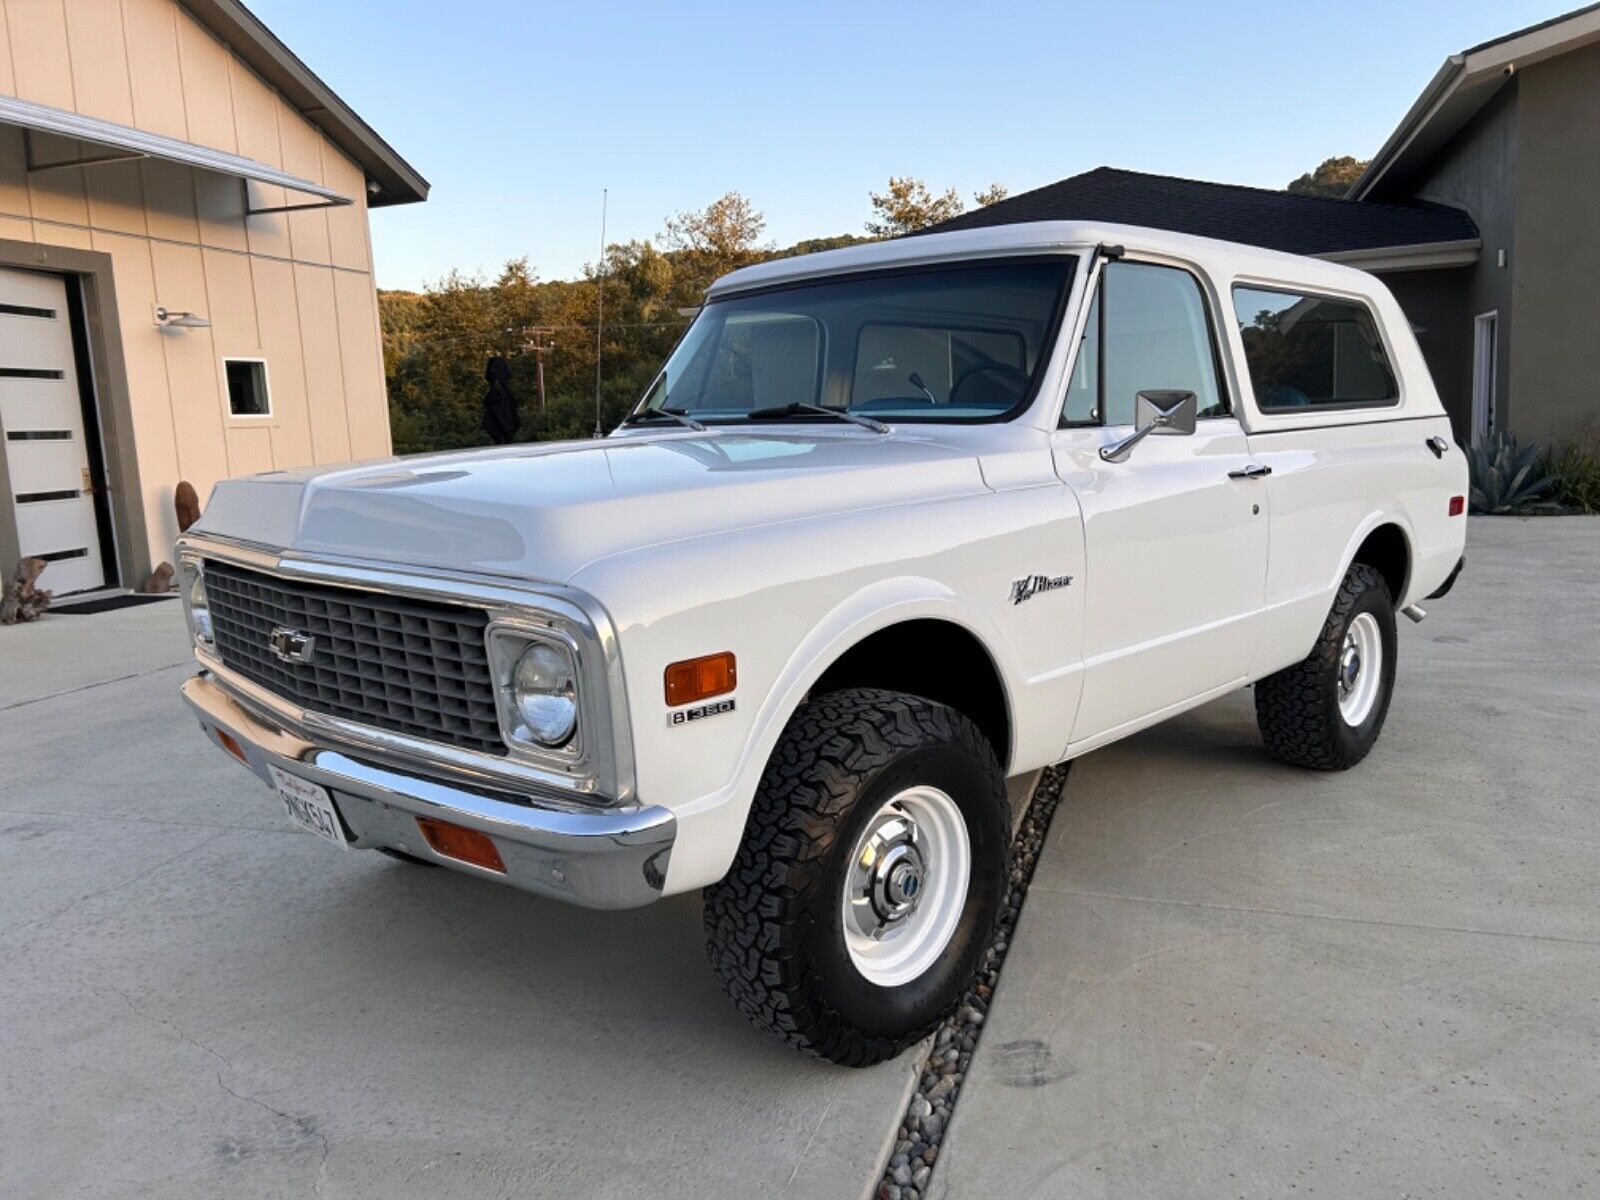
{"points": [[1326, 711], [870, 877]]}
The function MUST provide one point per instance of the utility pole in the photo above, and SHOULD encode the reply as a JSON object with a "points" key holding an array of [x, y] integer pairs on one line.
{"points": [[600, 311], [536, 341]]}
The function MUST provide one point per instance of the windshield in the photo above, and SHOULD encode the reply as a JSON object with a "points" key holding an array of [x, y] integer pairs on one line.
{"points": [[952, 344]]}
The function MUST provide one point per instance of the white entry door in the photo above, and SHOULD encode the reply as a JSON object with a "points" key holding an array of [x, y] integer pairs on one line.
{"points": [[1485, 367], [41, 412]]}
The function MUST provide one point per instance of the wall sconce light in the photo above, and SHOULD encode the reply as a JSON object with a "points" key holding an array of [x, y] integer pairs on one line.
{"points": [[167, 319]]}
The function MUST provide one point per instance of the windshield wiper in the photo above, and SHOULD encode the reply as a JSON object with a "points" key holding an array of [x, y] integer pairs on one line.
{"points": [[779, 411], [650, 414]]}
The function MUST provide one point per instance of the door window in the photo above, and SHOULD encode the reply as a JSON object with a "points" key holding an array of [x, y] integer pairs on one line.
{"points": [[1147, 330]]}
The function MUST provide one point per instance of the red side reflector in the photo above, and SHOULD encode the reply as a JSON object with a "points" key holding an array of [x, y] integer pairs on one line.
{"points": [[698, 678], [458, 842], [231, 745], [1458, 505]]}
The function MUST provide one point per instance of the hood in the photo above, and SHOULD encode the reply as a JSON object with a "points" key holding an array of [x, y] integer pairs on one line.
{"points": [[544, 511]]}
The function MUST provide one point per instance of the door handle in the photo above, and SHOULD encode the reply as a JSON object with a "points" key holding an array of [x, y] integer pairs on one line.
{"points": [[1253, 471], [1438, 445]]}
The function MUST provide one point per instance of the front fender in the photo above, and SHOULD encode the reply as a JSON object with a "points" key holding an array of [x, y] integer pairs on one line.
{"points": [[789, 599], [713, 825]]}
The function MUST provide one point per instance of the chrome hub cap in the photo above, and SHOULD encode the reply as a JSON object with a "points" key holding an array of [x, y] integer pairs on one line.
{"points": [[1349, 665], [906, 886], [1360, 669], [903, 885]]}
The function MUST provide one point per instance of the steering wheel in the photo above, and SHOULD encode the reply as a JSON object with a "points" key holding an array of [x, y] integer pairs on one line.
{"points": [[998, 367]]}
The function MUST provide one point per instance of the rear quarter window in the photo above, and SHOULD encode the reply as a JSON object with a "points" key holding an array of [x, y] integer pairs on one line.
{"points": [[1312, 352]]}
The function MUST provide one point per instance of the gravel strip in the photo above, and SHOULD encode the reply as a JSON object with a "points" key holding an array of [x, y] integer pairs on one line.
{"points": [[927, 1116]]}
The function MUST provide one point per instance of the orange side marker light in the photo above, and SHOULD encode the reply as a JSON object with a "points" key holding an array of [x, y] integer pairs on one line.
{"points": [[460, 843], [700, 678], [231, 745]]}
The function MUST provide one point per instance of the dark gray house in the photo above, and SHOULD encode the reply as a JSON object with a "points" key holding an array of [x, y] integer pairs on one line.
{"points": [[1481, 212]]}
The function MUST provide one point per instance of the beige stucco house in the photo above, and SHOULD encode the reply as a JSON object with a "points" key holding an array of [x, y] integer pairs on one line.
{"points": [[186, 287]]}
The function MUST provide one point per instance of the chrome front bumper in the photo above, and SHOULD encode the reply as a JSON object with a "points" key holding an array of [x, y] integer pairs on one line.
{"points": [[596, 857]]}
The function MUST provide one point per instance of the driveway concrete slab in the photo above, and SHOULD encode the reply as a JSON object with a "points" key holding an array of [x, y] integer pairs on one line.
{"points": [[1235, 978], [199, 1000], [63, 651]]}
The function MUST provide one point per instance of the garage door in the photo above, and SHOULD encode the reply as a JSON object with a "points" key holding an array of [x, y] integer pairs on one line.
{"points": [[41, 413]]}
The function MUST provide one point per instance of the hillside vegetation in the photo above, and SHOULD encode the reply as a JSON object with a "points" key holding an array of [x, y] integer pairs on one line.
{"points": [[437, 342]]}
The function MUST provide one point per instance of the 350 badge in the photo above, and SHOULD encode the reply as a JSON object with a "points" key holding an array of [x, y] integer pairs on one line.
{"points": [[699, 712]]}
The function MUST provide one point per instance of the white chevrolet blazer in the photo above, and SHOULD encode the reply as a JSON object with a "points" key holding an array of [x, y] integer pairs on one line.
{"points": [[893, 526]]}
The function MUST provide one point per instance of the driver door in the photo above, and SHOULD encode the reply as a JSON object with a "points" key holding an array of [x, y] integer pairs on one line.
{"points": [[1175, 536]]}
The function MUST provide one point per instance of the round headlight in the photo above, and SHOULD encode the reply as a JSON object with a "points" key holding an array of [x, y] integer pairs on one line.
{"points": [[199, 609], [545, 689]]}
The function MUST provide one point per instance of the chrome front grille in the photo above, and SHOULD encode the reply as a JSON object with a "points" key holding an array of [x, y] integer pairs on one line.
{"points": [[411, 666]]}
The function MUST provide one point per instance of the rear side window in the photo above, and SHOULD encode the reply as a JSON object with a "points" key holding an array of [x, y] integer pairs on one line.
{"points": [[1308, 351]]}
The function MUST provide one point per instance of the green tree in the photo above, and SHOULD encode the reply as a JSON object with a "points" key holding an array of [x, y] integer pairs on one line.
{"points": [[907, 206], [814, 245], [1333, 177], [721, 237], [436, 345]]}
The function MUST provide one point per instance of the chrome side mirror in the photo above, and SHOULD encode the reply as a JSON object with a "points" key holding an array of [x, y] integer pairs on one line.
{"points": [[1155, 412]]}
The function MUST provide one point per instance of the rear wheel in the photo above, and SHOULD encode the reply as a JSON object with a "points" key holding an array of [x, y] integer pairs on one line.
{"points": [[870, 877], [1327, 710]]}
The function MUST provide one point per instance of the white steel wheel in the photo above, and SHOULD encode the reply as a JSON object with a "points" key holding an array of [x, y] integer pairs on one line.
{"points": [[1360, 669], [906, 886]]}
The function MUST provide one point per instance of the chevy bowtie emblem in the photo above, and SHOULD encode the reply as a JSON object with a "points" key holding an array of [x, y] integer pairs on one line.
{"points": [[291, 645], [1030, 586]]}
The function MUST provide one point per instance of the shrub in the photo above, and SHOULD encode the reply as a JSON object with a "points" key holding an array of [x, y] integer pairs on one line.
{"points": [[1506, 478], [1576, 467]]}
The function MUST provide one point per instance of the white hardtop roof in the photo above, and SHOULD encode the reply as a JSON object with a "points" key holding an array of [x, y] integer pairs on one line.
{"points": [[1042, 237]]}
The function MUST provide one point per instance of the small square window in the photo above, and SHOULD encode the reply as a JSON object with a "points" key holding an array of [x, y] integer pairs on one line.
{"points": [[247, 387]]}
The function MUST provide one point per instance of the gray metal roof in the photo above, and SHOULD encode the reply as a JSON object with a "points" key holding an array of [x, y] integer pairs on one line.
{"points": [[1458, 91], [392, 179], [125, 142]]}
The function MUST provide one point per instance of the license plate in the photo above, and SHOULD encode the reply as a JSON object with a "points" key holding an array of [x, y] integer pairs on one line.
{"points": [[310, 807]]}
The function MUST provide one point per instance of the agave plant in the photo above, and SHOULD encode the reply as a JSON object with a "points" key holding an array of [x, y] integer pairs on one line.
{"points": [[1507, 478]]}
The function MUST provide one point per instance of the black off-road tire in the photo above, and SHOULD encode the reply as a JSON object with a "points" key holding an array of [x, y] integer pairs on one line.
{"points": [[1297, 709], [773, 924]]}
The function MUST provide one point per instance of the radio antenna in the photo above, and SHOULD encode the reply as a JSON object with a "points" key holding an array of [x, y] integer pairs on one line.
{"points": [[600, 311]]}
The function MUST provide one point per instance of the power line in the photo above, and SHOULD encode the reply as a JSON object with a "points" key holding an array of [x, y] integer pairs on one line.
{"points": [[406, 340]]}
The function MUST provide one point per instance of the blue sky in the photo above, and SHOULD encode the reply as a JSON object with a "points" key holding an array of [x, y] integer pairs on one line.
{"points": [[519, 113]]}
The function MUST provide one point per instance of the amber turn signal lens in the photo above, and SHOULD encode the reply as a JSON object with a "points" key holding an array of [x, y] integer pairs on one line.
{"points": [[697, 678], [464, 845], [231, 745], [1458, 505]]}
